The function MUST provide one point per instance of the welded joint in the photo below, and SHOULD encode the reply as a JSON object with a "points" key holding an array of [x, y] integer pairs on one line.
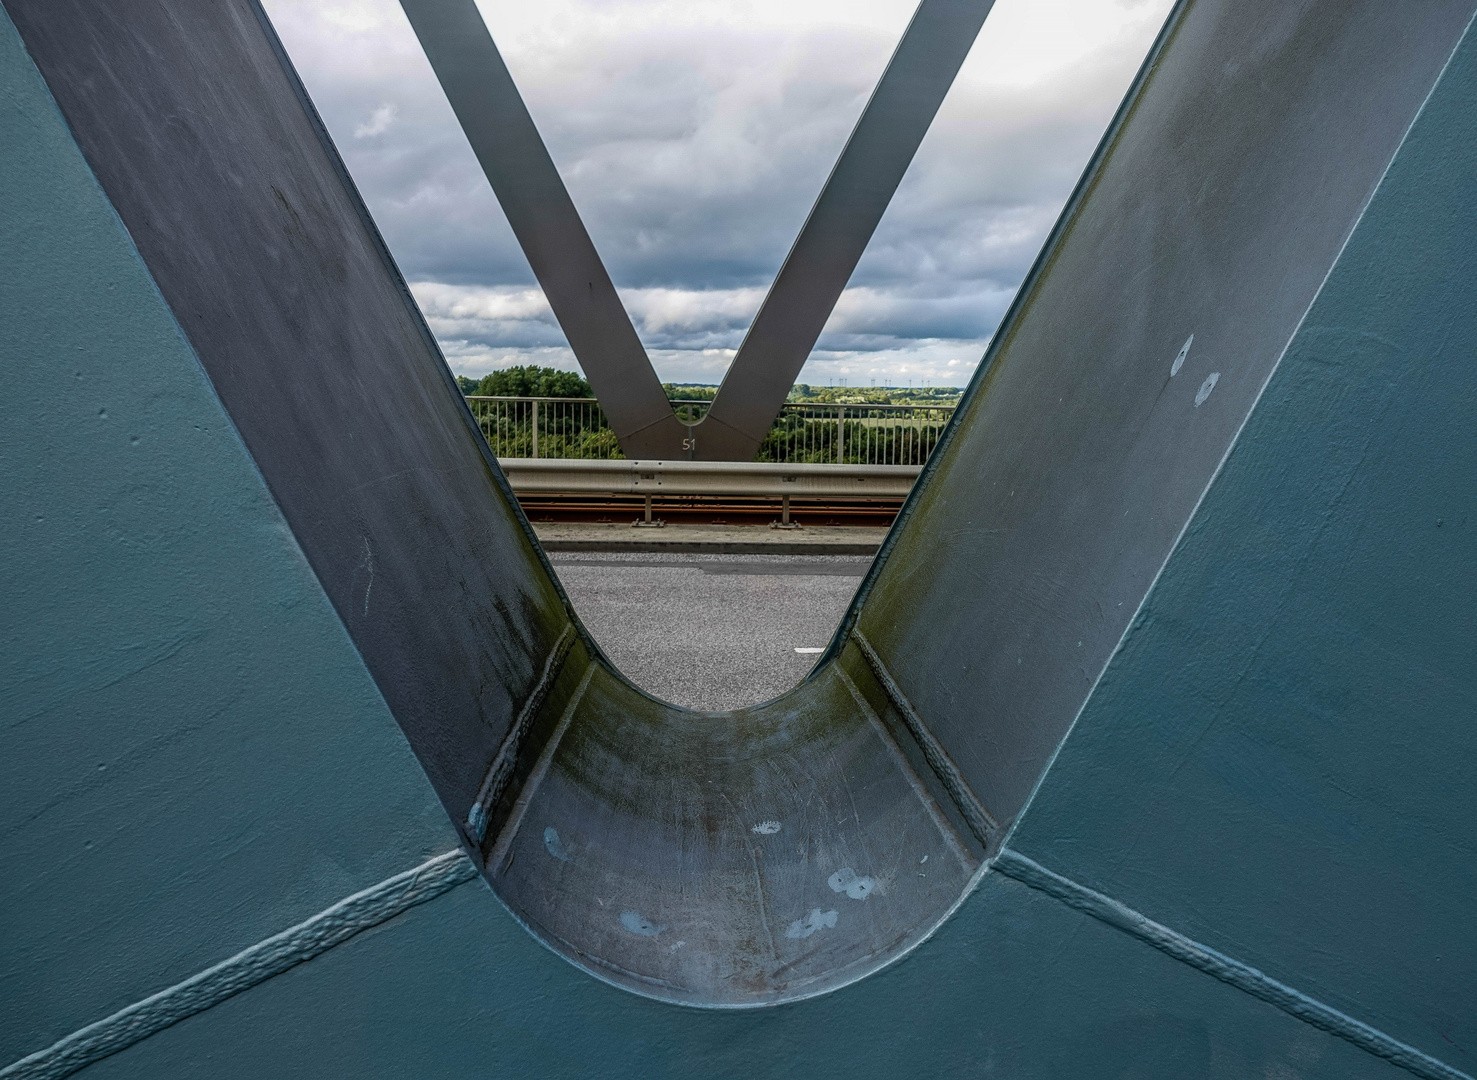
{"points": [[501, 769], [946, 829], [514, 820], [254, 965], [1220, 966], [980, 821]]}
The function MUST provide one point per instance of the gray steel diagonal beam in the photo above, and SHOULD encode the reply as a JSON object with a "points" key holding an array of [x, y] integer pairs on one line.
{"points": [[840, 225], [544, 218]]}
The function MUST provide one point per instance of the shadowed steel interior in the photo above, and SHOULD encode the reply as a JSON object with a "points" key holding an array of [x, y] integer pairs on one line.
{"points": [[568, 268], [776, 852]]}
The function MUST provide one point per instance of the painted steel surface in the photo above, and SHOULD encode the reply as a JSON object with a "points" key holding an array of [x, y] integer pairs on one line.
{"points": [[232, 192], [549, 229], [1239, 562], [192, 754]]}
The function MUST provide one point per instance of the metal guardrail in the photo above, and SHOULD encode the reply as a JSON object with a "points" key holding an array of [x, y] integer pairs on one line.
{"points": [[541, 427], [855, 434], [803, 433], [758, 479]]}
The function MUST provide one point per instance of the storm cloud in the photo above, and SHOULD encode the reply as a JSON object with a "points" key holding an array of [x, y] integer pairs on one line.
{"points": [[694, 138]]}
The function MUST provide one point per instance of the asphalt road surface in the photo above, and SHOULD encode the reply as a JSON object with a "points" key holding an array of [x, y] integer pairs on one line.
{"points": [[711, 631]]}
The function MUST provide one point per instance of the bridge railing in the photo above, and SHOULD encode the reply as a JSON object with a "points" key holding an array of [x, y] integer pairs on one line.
{"points": [[803, 433], [540, 427]]}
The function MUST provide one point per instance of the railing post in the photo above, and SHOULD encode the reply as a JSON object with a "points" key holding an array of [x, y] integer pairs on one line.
{"points": [[840, 434], [535, 427]]}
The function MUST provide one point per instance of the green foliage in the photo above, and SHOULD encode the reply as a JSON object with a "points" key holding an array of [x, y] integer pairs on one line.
{"points": [[558, 438], [566, 429], [550, 382], [799, 435], [689, 392], [875, 395], [530, 381]]}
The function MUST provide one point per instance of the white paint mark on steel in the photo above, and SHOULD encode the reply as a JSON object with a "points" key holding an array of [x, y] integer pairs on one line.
{"points": [[639, 924], [766, 828], [1179, 361], [1206, 387], [554, 845], [846, 880], [367, 564], [817, 919], [807, 651]]}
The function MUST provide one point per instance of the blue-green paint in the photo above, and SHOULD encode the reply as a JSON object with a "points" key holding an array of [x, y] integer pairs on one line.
{"points": [[1015, 986], [1279, 760], [193, 754]]}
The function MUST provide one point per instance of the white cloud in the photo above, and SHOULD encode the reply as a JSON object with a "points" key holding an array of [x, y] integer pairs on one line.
{"points": [[694, 138], [472, 303], [378, 123]]}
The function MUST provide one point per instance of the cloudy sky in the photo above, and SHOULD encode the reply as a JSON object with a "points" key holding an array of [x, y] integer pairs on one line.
{"points": [[694, 136]]}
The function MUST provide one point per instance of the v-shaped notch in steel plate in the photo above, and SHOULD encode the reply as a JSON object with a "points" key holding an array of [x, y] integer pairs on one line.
{"points": [[578, 287]]}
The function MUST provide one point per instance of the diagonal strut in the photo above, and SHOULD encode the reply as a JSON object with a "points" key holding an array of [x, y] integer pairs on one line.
{"points": [[548, 227], [584, 300]]}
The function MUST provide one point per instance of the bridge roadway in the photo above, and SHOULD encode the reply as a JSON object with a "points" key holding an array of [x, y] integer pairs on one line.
{"points": [[710, 631]]}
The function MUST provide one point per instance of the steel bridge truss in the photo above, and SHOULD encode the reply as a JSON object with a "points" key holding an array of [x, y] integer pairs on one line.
{"points": [[578, 287]]}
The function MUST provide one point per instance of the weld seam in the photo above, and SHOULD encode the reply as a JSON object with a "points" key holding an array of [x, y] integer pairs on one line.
{"points": [[1233, 972], [271, 956], [510, 827], [501, 769], [935, 812], [975, 815]]}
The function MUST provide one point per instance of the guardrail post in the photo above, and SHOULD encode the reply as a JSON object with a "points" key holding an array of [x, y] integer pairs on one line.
{"points": [[647, 521], [535, 427], [840, 434]]}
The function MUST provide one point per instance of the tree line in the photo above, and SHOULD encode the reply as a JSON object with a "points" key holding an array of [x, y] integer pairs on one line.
{"points": [[533, 381]]}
